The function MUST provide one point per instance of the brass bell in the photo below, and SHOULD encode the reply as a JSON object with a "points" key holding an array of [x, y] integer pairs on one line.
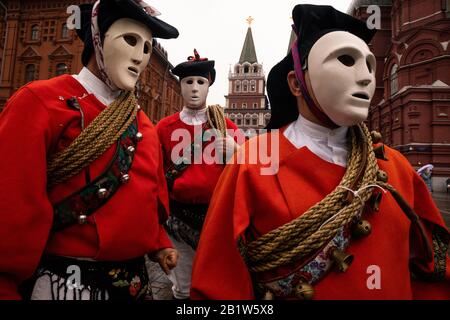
{"points": [[304, 291], [268, 295], [380, 153], [102, 193], [361, 228], [125, 178], [82, 219], [139, 136], [342, 259], [382, 176], [376, 137], [374, 201]]}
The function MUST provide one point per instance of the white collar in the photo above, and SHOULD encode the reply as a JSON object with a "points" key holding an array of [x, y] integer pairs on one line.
{"points": [[95, 86], [193, 116], [316, 131], [328, 144]]}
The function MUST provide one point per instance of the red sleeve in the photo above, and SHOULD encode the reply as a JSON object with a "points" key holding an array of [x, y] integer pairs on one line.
{"points": [[25, 210], [431, 280], [164, 140], [163, 208], [219, 271]]}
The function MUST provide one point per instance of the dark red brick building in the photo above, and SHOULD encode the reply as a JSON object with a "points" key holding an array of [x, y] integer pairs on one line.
{"points": [[411, 107], [36, 44]]}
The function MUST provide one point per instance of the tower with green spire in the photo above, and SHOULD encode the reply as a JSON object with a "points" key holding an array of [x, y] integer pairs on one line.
{"points": [[246, 102]]}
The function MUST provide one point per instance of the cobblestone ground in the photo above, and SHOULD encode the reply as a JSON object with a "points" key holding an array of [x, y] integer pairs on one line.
{"points": [[161, 285]]}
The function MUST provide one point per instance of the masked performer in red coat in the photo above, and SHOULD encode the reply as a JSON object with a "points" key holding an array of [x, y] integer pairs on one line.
{"points": [[190, 139], [82, 194], [343, 217]]}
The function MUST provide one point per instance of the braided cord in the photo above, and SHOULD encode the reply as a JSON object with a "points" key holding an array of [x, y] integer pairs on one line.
{"points": [[319, 224], [216, 119], [101, 134]]}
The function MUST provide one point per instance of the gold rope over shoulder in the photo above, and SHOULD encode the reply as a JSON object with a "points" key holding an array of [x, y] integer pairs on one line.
{"points": [[216, 119], [93, 141], [321, 223], [318, 225]]}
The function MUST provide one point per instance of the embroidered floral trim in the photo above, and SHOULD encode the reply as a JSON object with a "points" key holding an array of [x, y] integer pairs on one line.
{"points": [[86, 201], [311, 272], [441, 240], [123, 279]]}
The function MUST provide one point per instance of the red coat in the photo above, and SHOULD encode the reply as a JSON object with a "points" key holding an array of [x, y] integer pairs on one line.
{"points": [[36, 123], [197, 182], [246, 202]]}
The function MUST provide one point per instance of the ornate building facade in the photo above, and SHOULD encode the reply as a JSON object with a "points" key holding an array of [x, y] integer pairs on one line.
{"points": [[246, 102], [37, 44], [411, 107]]}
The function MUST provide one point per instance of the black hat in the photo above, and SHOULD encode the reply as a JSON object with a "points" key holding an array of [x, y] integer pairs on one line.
{"points": [[196, 66], [109, 11], [311, 22]]}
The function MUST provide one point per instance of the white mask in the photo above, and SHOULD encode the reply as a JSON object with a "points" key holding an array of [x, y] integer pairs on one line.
{"points": [[342, 74], [126, 50], [194, 90]]}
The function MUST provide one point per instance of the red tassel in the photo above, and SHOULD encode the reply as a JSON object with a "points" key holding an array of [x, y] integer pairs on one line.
{"points": [[196, 57]]}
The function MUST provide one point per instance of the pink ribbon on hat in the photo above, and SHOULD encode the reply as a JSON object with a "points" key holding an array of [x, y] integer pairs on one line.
{"points": [[150, 10], [96, 39]]}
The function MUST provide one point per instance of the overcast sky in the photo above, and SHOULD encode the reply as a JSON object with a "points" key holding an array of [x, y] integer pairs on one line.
{"points": [[217, 29]]}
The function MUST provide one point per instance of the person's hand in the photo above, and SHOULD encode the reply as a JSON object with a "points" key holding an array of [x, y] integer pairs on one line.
{"points": [[226, 147], [167, 259]]}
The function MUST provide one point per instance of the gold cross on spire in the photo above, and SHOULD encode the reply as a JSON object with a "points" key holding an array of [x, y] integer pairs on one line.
{"points": [[250, 20]]}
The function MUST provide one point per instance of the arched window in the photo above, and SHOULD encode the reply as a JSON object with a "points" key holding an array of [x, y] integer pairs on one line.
{"points": [[237, 86], [255, 106], [394, 79], [35, 32], [30, 73], [253, 86], [61, 68], [245, 86], [64, 31], [244, 106], [246, 69], [254, 122]]}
